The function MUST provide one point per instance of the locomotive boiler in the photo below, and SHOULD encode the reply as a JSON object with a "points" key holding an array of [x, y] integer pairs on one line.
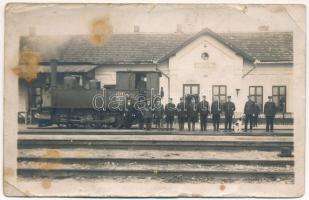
{"points": [[71, 105]]}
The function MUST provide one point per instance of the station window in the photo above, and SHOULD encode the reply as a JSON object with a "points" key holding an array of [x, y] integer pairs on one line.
{"points": [[191, 89], [140, 81], [279, 97], [256, 92], [219, 92]]}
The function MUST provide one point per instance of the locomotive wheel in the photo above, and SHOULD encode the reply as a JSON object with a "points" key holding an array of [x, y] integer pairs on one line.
{"points": [[60, 125], [127, 124], [41, 124], [95, 125], [119, 123], [116, 125], [70, 125]]}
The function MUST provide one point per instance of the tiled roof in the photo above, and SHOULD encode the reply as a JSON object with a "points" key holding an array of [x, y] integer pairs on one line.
{"points": [[149, 48], [265, 46]]}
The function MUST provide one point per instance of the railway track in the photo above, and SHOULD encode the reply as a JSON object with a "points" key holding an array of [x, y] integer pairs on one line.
{"points": [[55, 131], [152, 156], [154, 144], [167, 175], [155, 161]]}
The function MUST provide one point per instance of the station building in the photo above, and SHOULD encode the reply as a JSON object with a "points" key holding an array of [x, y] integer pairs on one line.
{"points": [[257, 64]]}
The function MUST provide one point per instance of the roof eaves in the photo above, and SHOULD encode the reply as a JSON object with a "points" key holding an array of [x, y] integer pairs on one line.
{"points": [[277, 62], [126, 63]]}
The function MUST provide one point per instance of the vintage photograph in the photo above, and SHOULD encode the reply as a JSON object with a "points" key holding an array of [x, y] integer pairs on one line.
{"points": [[154, 100]]}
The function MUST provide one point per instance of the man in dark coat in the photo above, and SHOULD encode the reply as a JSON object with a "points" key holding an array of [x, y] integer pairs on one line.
{"points": [[203, 109], [182, 115], [158, 114], [192, 114], [140, 111], [215, 111], [129, 113], [170, 110], [249, 112], [256, 115], [270, 112], [148, 115], [228, 109]]}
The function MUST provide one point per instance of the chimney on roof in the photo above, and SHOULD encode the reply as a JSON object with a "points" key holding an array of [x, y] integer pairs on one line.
{"points": [[136, 29], [179, 28], [32, 31], [263, 28]]}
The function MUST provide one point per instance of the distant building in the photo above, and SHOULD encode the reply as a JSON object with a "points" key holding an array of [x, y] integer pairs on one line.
{"points": [[258, 64]]}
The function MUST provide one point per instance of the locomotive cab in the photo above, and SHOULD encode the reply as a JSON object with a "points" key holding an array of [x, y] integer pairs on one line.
{"points": [[142, 81]]}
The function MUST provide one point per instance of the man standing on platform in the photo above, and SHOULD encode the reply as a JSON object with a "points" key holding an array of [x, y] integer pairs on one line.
{"points": [[170, 109], [228, 109], [182, 115], [204, 111], [249, 112], [158, 114], [192, 114], [270, 112], [215, 111], [256, 115], [148, 115]]}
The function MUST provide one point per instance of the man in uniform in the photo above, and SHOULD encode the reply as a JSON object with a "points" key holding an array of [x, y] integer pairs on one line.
{"points": [[140, 116], [249, 111], [158, 114], [192, 114], [148, 116], [170, 109], [181, 111], [270, 112], [204, 111], [129, 113], [256, 115], [140, 111], [228, 109], [215, 111]]}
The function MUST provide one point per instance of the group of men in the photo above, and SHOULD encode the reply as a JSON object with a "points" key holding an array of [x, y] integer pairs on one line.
{"points": [[190, 111]]}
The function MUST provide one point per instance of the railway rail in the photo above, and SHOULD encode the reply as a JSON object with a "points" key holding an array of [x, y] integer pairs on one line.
{"points": [[56, 131], [154, 144], [168, 175], [155, 161]]}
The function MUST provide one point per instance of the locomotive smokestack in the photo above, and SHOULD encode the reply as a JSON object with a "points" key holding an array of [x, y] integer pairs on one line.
{"points": [[53, 69]]}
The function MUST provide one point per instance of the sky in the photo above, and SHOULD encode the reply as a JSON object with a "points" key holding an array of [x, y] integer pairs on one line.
{"points": [[52, 19]]}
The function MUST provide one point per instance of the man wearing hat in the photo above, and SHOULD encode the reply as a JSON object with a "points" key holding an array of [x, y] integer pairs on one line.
{"points": [[228, 109], [181, 111], [215, 111], [204, 111], [270, 112], [192, 113], [148, 115], [158, 113], [249, 112], [170, 110]]}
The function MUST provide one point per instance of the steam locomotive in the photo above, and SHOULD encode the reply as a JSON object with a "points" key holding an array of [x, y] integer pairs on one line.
{"points": [[71, 105]]}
